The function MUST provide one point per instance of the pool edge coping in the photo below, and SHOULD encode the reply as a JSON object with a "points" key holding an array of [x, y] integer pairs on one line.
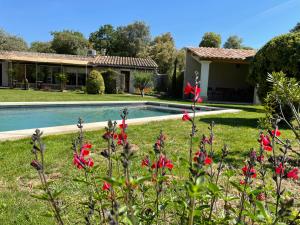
{"points": [[65, 129]]}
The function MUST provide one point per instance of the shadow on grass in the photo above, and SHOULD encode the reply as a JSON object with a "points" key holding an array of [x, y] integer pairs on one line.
{"points": [[248, 108], [234, 122]]}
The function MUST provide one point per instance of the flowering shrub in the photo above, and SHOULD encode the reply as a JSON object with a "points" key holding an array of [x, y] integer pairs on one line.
{"points": [[213, 192]]}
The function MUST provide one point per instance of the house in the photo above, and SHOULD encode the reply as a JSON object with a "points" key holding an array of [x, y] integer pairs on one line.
{"points": [[223, 73], [40, 69]]}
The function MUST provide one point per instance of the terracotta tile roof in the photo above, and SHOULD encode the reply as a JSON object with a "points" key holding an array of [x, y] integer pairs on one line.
{"points": [[222, 53], [117, 61], [113, 61], [44, 57]]}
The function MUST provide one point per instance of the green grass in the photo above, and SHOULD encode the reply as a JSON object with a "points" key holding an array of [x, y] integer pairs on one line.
{"points": [[239, 131], [13, 95]]}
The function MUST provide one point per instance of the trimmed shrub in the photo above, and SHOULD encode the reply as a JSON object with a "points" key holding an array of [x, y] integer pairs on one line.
{"points": [[95, 83], [112, 82], [282, 53]]}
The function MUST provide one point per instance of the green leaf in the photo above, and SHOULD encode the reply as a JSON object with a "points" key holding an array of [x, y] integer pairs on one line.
{"points": [[44, 196], [262, 209], [57, 193], [80, 180], [213, 188], [113, 181], [140, 180], [237, 186]]}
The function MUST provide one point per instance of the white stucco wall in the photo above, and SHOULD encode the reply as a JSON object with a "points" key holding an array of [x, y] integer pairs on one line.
{"points": [[191, 66], [4, 74]]}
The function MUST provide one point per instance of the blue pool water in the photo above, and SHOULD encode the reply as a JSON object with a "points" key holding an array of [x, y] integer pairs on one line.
{"points": [[38, 117]]}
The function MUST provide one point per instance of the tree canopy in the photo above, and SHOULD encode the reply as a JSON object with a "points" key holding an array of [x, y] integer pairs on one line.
{"points": [[281, 53], [69, 42], [39, 46], [102, 40], [10, 42], [162, 50], [233, 42], [211, 39], [130, 40], [296, 28]]}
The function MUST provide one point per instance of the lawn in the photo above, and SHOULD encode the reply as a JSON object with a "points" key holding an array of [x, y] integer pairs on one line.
{"points": [[18, 179], [14, 95]]}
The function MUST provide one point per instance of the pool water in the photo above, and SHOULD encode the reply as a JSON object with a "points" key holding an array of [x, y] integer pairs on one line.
{"points": [[38, 117]]}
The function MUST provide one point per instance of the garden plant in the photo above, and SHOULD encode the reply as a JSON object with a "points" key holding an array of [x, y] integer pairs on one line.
{"points": [[208, 190]]}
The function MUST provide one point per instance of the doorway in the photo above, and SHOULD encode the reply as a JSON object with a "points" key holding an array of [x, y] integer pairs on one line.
{"points": [[127, 80]]}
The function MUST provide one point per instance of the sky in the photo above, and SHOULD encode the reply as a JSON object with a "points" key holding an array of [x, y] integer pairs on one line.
{"points": [[256, 21]]}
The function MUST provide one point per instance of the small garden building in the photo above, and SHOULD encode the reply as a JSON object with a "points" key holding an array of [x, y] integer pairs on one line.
{"points": [[41, 69], [223, 73]]}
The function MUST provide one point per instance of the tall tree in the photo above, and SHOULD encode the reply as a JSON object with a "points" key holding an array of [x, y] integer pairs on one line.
{"points": [[69, 42], [180, 56], [233, 42], [162, 50], [38, 46], [131, 40], [211, 39], [296, 28], [10, 42], [102, 40]]}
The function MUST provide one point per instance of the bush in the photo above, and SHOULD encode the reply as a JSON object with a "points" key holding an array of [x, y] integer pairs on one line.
{"points": [[95, 83], [282, 53], [112, 82]]}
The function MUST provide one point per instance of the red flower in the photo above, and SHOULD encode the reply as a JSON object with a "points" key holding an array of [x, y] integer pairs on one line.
{"points": [[162, 163], [145, 162], [158, 143], [265, 142], [106, 186], [85, 152], [186, 116], [242, 182], [252, 171], [122, 137], [268, 148], [90, 162], [188, 89], [293, 174], [279, 170], [261, 197], [197, 93], [200, 100], [123, 126], [276, 133], [207, 160], [260, 158], [89, 146], [169, 165], [78, 161]]}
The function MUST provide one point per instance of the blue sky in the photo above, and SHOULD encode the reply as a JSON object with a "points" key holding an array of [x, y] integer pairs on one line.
{"points": [[256, 21]]}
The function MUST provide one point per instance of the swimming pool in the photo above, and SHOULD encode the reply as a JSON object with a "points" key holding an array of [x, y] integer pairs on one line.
{"points": [[48, 116], [20, 119]]}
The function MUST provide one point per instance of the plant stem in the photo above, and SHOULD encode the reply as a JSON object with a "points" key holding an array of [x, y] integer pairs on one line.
{"points": [[191, 215]]}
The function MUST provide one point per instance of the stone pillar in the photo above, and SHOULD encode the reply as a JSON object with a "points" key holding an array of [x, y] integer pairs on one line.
{"points": [[204, 78]]}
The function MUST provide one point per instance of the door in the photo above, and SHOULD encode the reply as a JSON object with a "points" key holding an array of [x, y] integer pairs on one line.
{"points": [[127, 80], [0, 74]]}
